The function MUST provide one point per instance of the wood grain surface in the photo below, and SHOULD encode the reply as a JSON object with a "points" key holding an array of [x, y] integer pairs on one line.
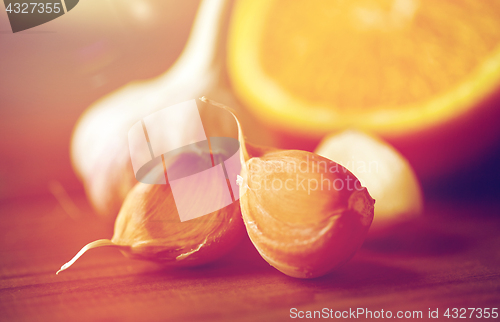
{"points": [[448, 258]]}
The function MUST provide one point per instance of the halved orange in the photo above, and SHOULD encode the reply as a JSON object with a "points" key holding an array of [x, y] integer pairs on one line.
{"points": [[392, 67]]}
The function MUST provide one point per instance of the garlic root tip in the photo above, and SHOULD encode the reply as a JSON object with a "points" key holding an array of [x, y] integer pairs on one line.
{"points": [[94, 244]]}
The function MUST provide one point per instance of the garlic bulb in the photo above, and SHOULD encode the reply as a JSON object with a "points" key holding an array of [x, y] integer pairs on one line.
{"points": [[99, 149]]}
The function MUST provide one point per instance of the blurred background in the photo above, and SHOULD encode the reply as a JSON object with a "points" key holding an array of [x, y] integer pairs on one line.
{"points": [[51, 73]]}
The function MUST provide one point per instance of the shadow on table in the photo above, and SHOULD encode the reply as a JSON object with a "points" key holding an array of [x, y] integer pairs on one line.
{"points": [[416, 238], [245, 263]]}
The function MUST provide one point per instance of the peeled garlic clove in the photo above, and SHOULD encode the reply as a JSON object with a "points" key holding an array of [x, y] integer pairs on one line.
{"points": [[148, 227], [384, 171], [305, 214]]}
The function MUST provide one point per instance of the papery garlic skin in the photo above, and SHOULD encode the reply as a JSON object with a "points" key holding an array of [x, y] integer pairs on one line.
{"points": [[304, 232], [150, 225]]}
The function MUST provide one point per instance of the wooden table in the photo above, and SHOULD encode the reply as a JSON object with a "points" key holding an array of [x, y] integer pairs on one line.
{"points": [[448, 258]]}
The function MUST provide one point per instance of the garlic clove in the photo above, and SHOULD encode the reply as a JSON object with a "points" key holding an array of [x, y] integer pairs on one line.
{"points": [[388, 176], [305, 214], [148, 227], [150, 224]]}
